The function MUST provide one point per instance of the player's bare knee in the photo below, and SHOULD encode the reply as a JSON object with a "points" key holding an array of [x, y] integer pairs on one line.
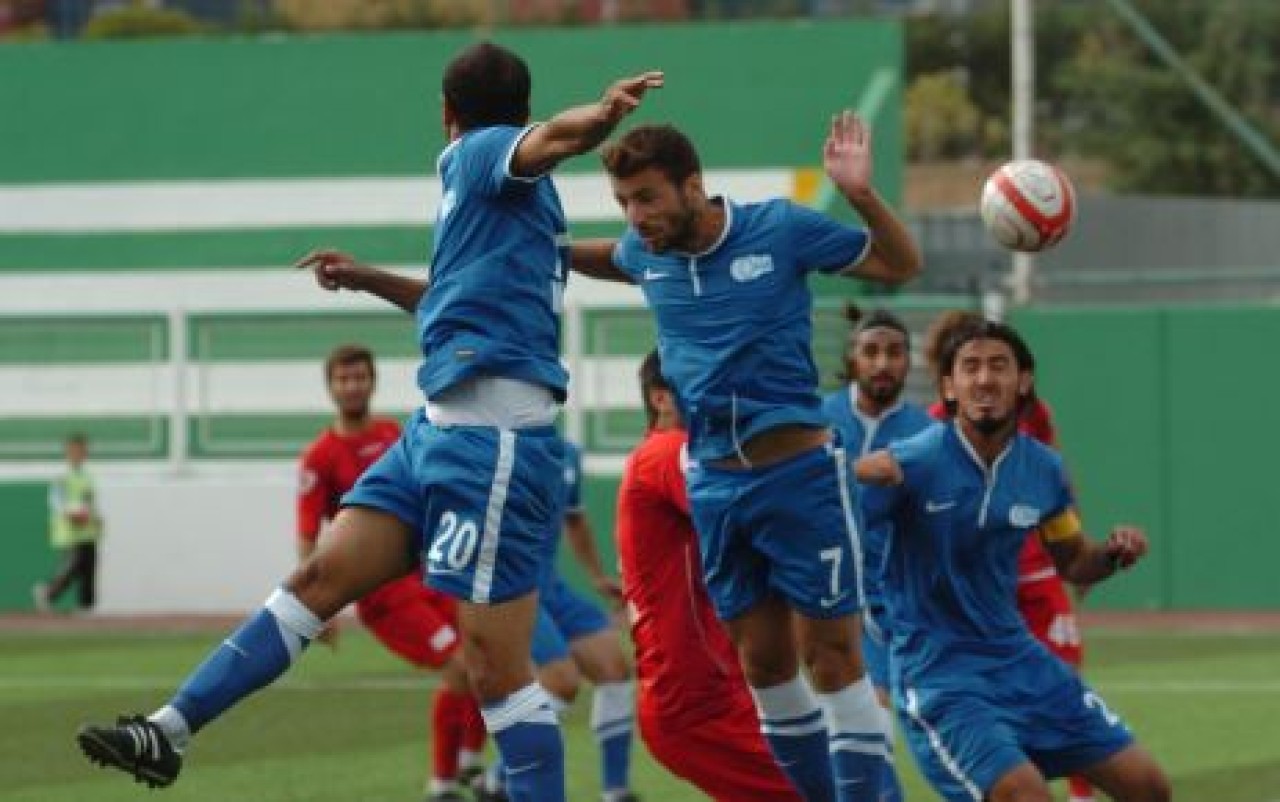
{"points": [[313, 584], [833, 663], [766, 665], [561, 680]]}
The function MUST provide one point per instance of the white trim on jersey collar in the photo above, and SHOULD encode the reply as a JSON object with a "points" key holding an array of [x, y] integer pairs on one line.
{"points": [[864, 417], [973, 454]]}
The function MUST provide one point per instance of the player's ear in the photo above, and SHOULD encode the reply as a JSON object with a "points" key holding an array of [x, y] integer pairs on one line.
{"points": [[692, 186], [1025, 382]]}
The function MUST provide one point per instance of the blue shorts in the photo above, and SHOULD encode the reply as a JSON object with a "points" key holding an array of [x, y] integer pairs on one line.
{"points": [[486, 504], [574, 615], [549, 644], [791, 528], [969, 733]]}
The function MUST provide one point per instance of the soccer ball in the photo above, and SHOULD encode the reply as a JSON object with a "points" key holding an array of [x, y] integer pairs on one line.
{"points": [[1028, 205]]}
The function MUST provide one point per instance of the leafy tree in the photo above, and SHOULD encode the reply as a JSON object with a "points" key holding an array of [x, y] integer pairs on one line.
{"points": [[1124, 105]]}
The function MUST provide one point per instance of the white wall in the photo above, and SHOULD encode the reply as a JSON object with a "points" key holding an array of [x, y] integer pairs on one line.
{"points": [[215, 540]]}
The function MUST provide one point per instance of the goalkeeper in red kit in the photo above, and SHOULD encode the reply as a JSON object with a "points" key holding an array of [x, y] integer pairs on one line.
{"points": [[694, 710]]}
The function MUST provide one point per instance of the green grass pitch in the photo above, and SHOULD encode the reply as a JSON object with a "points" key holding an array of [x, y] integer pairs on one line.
{"points": [[350, 725]]}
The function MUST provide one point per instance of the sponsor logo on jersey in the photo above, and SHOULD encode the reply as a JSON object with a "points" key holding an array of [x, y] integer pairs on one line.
{"points": [[1022, 515], [750, 268]]}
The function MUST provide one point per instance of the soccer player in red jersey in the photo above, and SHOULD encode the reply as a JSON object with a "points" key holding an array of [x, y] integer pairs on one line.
{"points": [[413, 621], [1042, 595], [694, 710]]}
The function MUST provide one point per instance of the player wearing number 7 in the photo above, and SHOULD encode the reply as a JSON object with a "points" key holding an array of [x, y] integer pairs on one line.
{"points": [[988, 712], [475, 482], [770, 490]]}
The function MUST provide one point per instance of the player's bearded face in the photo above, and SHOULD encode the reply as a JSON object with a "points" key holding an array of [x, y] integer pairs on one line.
{"points": [[662, 212], [351, 387], [987, 385], [879, 363]]}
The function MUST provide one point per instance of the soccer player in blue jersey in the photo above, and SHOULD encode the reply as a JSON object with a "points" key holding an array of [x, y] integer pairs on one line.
{"points": [[573, 638], [870, 413], [474, 489], [988, 711], [770, 491]]}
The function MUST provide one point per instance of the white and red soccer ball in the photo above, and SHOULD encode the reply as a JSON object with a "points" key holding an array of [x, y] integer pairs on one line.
{"points": [[1028, 205]]}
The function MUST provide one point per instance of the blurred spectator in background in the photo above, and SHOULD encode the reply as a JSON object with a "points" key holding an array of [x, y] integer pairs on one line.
{"points": [[75, 527]]}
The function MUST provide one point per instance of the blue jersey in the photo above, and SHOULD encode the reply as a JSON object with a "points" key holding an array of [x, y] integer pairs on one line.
{"points": [[734, 322], [497, 272], [952, 568], [860, 435]]}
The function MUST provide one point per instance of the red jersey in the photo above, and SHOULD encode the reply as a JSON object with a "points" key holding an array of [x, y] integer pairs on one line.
{"points": [[330, 467], [685, 662], [1034, 562]]}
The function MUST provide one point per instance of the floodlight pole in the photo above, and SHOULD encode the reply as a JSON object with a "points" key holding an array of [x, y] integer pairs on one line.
{"points": [[1024, 97]]}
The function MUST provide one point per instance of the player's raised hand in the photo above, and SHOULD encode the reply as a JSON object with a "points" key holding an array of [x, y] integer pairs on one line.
{"points": [[333, 270], [624, 96], [846, 155], [1125, 546]]}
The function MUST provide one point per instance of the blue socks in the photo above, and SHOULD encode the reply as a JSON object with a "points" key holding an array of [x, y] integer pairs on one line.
{"points": [[264, 646], [856, 728], [525, 728], [794, 728], [612, 715]]}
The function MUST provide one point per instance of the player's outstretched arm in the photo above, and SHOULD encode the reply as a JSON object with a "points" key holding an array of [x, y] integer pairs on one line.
{"points": [[335, 270], [594, 258], [575, 131], [878, 468], [847, 158], [1083, 561]]}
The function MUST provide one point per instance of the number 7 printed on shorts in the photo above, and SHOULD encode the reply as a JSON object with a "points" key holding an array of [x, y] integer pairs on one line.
{"points": [[833, 555]]}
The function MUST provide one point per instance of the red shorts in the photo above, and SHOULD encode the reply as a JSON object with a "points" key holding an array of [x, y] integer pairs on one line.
{"points": [[725, 757], [1047, 609], [415, 622]]}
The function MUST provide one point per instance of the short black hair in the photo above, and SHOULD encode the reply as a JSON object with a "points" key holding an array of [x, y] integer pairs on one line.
{"points": [[651, 378], [486, 85], [77, 439], [662, 147]]}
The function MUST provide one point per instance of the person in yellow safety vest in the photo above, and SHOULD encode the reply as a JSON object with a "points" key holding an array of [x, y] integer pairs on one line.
{"points": [[75, 527]]}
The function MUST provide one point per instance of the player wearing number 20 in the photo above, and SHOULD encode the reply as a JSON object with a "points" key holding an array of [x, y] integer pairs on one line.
{"points": [[988, 712]]}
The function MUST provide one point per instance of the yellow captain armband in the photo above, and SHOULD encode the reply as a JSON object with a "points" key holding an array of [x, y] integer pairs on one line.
{"points": [[1063, 526]]}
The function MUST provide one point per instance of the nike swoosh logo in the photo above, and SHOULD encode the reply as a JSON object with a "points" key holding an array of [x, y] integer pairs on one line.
{"points": [[938, 506], [235, 648], [650, 275], [523, 769]]}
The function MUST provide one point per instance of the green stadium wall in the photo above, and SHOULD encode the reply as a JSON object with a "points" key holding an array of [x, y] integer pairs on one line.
{"points": [[1156, 413], [752, 95]]}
